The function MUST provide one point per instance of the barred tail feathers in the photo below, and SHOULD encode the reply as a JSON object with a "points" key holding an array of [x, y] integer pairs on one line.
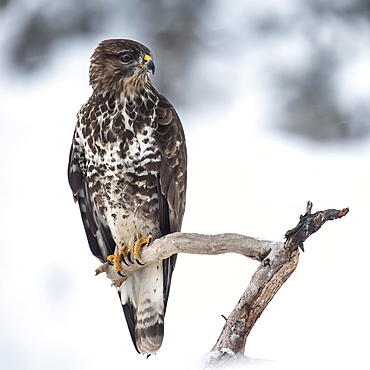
{"points": [[143, 304]]}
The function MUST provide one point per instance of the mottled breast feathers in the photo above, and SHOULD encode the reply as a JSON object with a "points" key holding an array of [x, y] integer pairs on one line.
{"points": [[110, 130]]}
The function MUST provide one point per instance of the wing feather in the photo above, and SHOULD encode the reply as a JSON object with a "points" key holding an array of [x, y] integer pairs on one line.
{"points": [[170, 140], [97, 231]]}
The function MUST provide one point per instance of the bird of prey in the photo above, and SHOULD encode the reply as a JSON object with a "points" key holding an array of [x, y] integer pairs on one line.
{"points": [[127, 171]]}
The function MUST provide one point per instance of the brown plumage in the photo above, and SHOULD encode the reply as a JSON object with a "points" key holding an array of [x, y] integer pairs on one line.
{"points": [[127, 171]]}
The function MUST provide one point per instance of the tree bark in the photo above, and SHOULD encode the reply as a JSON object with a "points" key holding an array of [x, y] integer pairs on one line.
{"points": [[278, 261], [254, 248]]}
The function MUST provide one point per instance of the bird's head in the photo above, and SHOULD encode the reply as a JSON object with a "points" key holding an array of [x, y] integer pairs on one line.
{"points": [[120, 67]]}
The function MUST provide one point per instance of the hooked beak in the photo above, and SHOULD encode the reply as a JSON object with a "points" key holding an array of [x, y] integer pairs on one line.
{"points": [[148, 63]]}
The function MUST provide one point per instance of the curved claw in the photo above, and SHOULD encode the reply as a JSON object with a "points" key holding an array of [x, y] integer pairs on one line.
{"points": [[123, 259], [128, 256]]}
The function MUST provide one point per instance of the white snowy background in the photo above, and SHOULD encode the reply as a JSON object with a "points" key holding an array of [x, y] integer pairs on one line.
{"points": [[245, 176]]}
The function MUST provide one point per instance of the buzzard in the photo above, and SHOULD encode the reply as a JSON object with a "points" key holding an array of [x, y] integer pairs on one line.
{"points": [[127, 171]]}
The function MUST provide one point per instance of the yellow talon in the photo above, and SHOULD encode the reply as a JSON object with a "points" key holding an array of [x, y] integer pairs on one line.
{"points": [[138, 245], [135, 250], [116, 258]]}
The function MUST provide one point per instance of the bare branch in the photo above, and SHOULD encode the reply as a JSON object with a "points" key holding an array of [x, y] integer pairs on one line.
{"points": [[168, 245], [278, 261], [272, 273]]}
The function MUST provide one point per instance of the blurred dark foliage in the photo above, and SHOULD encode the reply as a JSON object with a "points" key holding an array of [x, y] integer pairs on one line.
{"points": [[175, 29], [42, 29], [4, 3], [172, 27], [312, 109]]}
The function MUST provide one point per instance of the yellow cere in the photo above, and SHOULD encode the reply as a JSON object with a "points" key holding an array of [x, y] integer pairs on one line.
{"points": [[146, 58]]}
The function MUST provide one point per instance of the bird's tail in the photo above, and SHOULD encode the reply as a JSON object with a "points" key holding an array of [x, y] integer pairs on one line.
{"points": [[143, 304], [149, 327]]}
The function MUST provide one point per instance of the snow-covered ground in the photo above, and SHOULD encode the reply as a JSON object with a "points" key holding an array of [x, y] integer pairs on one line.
{"points": [[244, 177]]}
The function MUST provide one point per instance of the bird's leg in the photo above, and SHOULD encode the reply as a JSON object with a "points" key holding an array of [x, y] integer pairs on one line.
{"points": [[136, 248]]}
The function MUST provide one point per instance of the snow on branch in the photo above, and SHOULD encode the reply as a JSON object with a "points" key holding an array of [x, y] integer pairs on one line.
{"points": [[278, 261]]}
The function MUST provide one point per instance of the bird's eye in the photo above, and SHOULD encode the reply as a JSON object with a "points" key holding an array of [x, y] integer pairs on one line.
{"points": [[125, 58]]}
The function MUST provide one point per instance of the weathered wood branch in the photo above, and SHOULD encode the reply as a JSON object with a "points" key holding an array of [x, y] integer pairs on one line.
{"points": [[168, 245], [273, 271], [278, 261]]}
